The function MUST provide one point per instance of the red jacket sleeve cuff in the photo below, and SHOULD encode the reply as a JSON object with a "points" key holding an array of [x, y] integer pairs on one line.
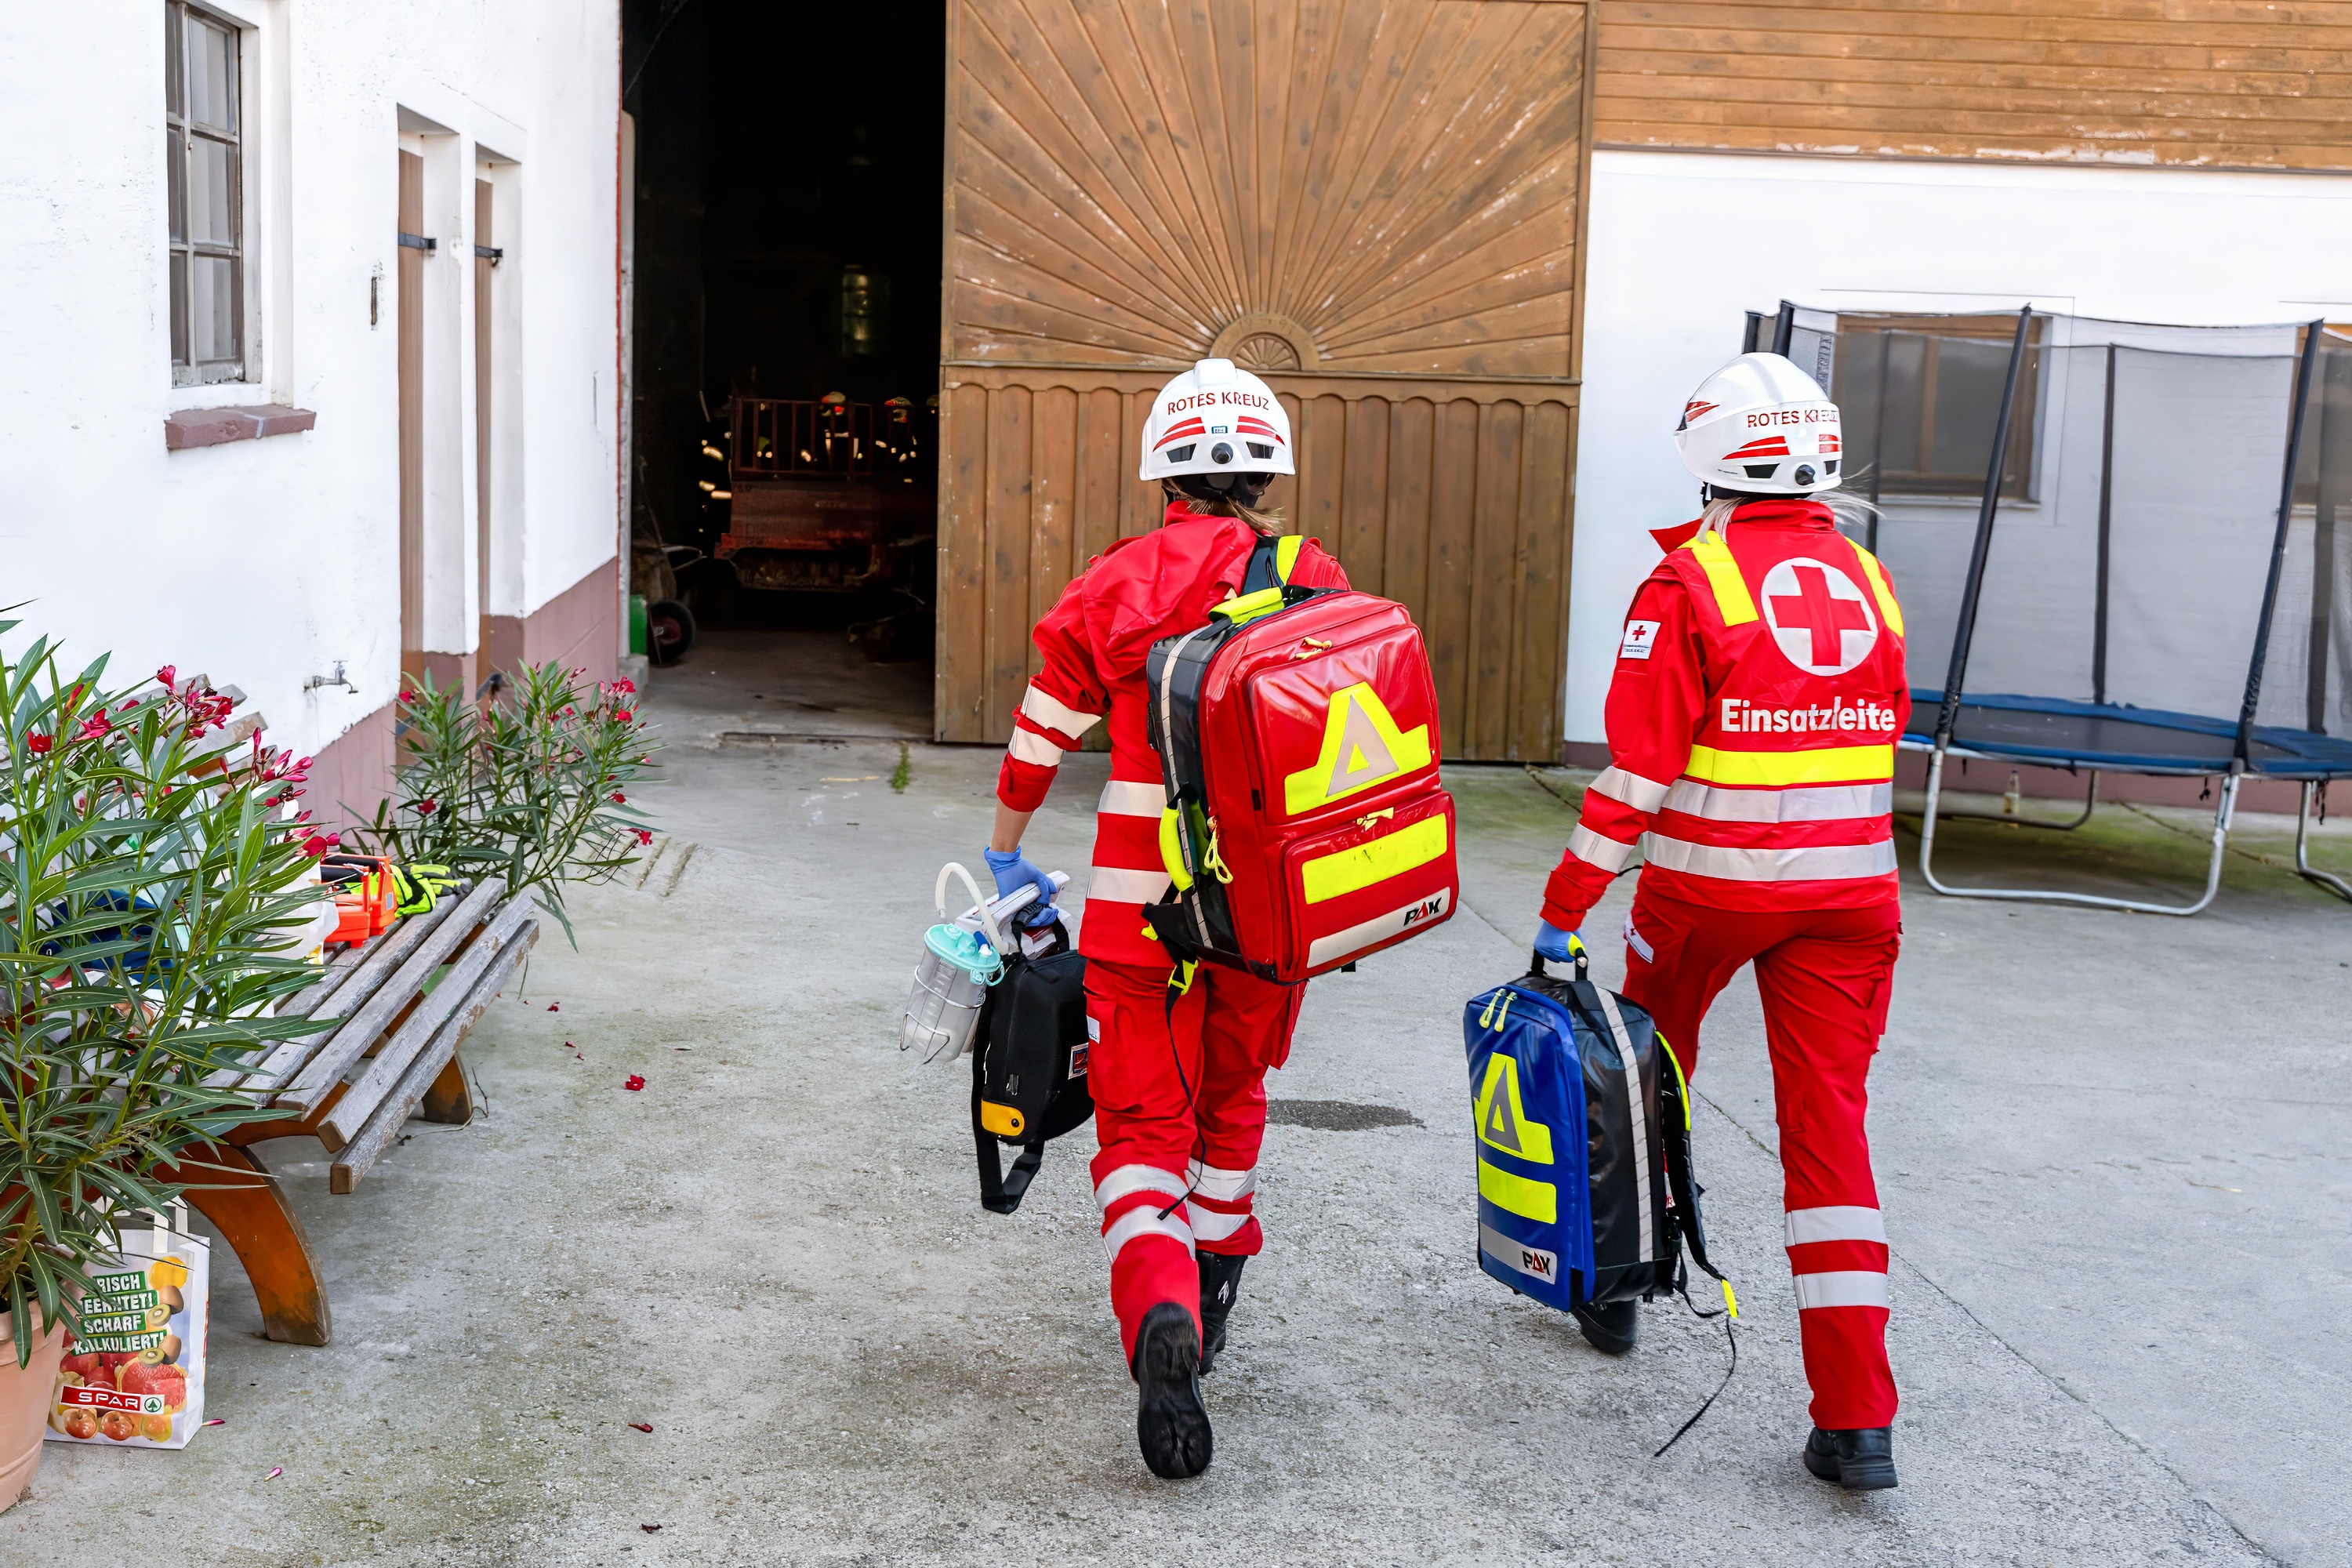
{"points": [[1567, 899], [1022, 785]]}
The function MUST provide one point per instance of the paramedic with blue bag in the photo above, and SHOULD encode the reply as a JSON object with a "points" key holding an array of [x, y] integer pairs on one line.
{"points": [[1757, 700]]}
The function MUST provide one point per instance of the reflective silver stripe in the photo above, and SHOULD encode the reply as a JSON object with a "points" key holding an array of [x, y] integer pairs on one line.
{"points": [[1842, 1222], [1116, 885], [1813, 863], [1807, 803], [1029, 746], [1209, 1225], [1121, 798], [1641, 793], [1641, 1124], [1532, 1261], [1594, 851], [1145, 1221], [1225, 1186], [1050, 711], [1325, 950], [1842, 1288], [1128, 1180]]}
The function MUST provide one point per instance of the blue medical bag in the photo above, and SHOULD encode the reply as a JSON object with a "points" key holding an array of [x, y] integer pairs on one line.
{"points": [[1584, 1142]]}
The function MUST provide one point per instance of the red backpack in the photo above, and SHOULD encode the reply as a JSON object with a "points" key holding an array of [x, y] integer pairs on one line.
{"points": [[1298, 734]]}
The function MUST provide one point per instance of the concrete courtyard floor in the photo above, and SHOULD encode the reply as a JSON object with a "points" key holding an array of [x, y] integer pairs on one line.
{"points": [[2111, 1150]]}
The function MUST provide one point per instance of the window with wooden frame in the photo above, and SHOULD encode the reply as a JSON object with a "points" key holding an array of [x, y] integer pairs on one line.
{"points": [[1918, 397], [205, 165]]}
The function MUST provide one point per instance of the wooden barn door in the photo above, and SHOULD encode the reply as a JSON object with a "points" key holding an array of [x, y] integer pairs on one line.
{"points": [[1377, 205]]}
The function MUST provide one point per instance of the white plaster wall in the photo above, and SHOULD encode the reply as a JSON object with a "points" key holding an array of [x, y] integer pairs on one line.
{"points": [[1682, 244], [262, 562]]}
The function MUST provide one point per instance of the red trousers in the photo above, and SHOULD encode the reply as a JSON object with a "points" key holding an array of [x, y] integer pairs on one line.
{"points": [[1825, 977], [1179, 1110]]}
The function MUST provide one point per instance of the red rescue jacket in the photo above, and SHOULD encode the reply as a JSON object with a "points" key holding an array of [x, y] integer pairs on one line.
{"points": [[1758, 698], [1093, 643]]}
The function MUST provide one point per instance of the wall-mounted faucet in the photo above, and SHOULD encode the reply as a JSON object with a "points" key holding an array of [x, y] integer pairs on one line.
{"points": [[338, 678]]}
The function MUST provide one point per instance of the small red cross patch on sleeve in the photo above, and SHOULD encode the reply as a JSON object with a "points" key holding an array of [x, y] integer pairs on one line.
{"points": [[1639, 635]]}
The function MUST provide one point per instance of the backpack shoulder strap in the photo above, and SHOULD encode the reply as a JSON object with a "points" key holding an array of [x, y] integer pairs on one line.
{"points": [[1272, 561]]}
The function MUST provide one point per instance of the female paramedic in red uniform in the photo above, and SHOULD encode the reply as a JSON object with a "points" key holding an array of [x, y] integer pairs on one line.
{"points": [[1179, 1087], [1758, 697]]}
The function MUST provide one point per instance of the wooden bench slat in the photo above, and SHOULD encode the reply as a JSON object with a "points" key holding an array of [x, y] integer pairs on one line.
{"points": [[441, 930], [374, 1135], [385, 1069], [383, 962], [340, 968]]}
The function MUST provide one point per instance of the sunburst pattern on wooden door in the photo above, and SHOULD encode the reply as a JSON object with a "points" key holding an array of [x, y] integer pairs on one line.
{"points": [[1385, 184], [1375, 204]]}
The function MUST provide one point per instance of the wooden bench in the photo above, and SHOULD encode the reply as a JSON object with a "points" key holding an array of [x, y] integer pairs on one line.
{"points": [[391, 1052]]}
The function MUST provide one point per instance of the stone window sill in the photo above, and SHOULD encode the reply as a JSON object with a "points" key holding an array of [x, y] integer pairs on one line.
{"points": [[212, 427]]}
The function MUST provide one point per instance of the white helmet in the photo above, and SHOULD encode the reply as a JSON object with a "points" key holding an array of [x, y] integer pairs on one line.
{"points": [[1761, 425], [1219, 421]]}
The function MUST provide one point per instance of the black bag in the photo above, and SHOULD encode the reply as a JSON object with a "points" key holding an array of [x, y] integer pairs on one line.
{"points": [[1029, 1065]]}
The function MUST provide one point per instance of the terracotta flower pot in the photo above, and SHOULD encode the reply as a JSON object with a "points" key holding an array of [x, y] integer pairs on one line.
{"points": [[25, 1396]]}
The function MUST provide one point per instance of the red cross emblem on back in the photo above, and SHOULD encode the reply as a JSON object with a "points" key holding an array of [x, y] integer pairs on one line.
{"points": [[1818, 617]]}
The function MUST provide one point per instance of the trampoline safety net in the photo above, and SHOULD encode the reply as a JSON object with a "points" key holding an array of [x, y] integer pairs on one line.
{"points": [[2137, 527]]}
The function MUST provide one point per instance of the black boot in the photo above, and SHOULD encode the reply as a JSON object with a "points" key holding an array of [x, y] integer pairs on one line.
{"points": [[1172, 1425], [1610, 1328], [1220, 1284], [1860, 1460]]}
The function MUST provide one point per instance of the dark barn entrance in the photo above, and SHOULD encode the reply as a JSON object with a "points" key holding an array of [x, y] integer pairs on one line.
{"points": [[785, 315]]}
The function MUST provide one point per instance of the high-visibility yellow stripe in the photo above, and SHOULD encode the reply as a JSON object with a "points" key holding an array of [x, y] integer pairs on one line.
{"points": [[1731, 595], [1286, 555], [1385, 857], [1538, 1201], [1888, 610], [1827, 764]]}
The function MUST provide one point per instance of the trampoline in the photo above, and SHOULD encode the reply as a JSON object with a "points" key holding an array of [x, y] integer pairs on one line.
{"points": [[2117, 545]]}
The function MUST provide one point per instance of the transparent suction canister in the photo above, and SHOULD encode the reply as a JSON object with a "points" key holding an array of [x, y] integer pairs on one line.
{"points": [[962, 958]]}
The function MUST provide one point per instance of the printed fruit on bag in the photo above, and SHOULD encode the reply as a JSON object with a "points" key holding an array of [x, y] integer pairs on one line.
{"points": [[167, 1274], [81, 1423], [166, 1380], [120, 1425], [90, 1369], [155, 1428]]}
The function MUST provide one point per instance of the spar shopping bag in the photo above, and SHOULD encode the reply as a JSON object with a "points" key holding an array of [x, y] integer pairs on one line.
{"points": [[135, 1372]]}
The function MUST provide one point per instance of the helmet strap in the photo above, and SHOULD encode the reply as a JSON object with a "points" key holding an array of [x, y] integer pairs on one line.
{"points": [[1244, 488]]}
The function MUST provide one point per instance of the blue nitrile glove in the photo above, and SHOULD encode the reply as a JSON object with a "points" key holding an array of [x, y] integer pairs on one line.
{"points": [[1552, 942], [1013, 871]]}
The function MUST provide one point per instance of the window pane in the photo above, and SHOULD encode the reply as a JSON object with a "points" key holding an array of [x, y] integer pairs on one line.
{"points": [[212, 174], [212, 307], [179, 308], [1907, 377], [211, 75], [174, 175], [174, 101], [1968, 378]]}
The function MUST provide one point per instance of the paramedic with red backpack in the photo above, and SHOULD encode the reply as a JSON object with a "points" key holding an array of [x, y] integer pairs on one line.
{"points": [[1758, 697], [1179, 1090]]}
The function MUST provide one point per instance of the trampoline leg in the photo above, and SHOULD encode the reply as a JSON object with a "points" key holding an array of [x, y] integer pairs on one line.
{"points": [[2222, 814], [2090, 804], [2303, 866]]}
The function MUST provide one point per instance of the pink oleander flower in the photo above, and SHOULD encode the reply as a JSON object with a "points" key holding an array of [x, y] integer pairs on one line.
{"points": [[620, 799], [94, 726], [168, 676], [38, 744]]}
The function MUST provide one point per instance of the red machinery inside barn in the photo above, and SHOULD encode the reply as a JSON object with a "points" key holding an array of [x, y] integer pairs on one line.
{"points": [[830, 496]]}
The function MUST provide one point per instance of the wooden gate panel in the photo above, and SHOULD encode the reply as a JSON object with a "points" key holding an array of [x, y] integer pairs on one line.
{"points": [[1375, 205]]}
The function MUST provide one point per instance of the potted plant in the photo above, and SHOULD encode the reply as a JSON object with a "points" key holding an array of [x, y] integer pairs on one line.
{"points": [[151, 874], [531, 784]]}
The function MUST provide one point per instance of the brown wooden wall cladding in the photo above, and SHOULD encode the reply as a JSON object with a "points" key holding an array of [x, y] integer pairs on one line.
{"points": [[2248, 85], [1453, 500], [1375, 204]]}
